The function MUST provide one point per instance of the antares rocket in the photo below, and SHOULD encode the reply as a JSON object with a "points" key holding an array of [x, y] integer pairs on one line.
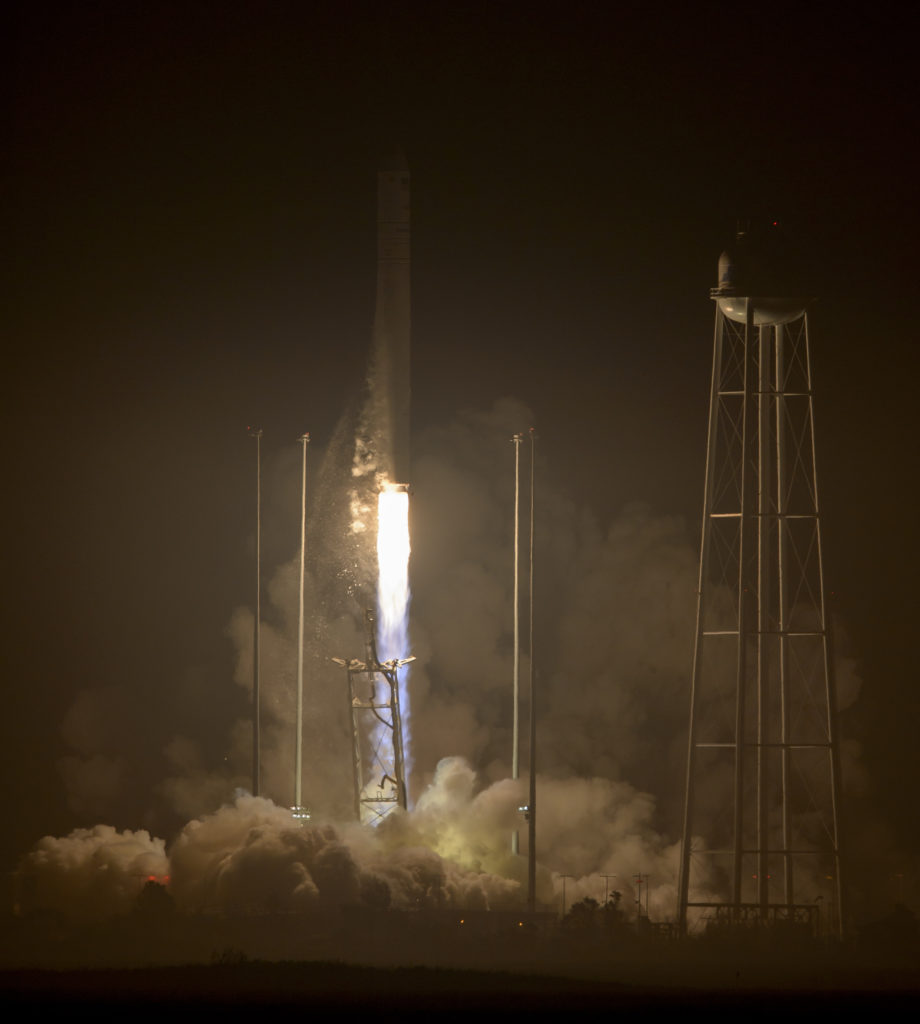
{"points": [[391, 348], [381, 471]]}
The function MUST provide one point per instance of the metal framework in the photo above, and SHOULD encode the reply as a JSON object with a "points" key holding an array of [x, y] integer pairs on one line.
{"points": [[376, 730], [804, 917], [760, 833]]}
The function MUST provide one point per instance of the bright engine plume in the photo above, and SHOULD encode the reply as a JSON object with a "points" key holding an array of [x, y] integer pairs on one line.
{"points": [[393, 550]]}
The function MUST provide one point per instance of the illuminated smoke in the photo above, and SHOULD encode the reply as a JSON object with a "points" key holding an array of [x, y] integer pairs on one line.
{"points": [[252, 857], [451, 850], [91, 873], [393, 593]]}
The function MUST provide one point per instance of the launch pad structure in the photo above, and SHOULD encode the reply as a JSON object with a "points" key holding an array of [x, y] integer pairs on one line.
{"points": [[761, 836], [376, 730]]}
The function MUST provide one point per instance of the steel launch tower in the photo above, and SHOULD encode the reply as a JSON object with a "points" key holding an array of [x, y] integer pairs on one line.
{"points": [[378, 761], [761, 839]]}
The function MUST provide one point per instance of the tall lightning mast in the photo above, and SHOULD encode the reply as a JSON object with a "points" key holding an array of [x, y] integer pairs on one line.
{"points": [[257, 623], [515, 731], [298, 808], [532, 806]]}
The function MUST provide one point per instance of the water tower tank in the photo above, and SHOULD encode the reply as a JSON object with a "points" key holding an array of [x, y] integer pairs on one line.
{"points": [[760, 268]]}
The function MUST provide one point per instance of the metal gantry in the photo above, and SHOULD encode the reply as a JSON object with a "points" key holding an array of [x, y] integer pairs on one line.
{"points": [[761, 838], [376, 728]]}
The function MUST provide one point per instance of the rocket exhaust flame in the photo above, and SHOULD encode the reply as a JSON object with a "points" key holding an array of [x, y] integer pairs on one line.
{"points": [[392, 572], [393, 549]]}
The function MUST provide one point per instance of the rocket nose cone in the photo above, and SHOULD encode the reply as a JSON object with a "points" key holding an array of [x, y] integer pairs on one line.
{"points": [[392, 158]]}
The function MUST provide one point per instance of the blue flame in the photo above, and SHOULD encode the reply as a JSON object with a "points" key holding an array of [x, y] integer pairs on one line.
{"points": [[393, 607]]}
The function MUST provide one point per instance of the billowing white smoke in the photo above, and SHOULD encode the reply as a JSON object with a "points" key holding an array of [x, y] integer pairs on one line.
{"points": [[614, 619], [92, 873], [596, 827], [250, 856], [452, 850]]}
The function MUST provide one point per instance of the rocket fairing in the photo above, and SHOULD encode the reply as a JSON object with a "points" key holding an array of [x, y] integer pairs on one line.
{"points": [[391, 363]]}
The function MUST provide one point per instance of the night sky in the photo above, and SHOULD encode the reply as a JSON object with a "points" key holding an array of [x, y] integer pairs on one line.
{"points": [[191, 194]]}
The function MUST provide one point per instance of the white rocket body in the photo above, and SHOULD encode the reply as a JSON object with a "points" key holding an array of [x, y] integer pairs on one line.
{"points": [[391, 376]]}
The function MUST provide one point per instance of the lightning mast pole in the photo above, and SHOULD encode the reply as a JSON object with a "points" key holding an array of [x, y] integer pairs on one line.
{"points": [[515, 734], [532, 810], [257, 622], [298, 718]]}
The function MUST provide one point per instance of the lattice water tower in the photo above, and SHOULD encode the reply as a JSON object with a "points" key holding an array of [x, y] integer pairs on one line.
{"points": [[760, 836]]}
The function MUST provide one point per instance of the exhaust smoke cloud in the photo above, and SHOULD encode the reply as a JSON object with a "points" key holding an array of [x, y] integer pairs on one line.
{"points": [[615, 619], [251, 856]]}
